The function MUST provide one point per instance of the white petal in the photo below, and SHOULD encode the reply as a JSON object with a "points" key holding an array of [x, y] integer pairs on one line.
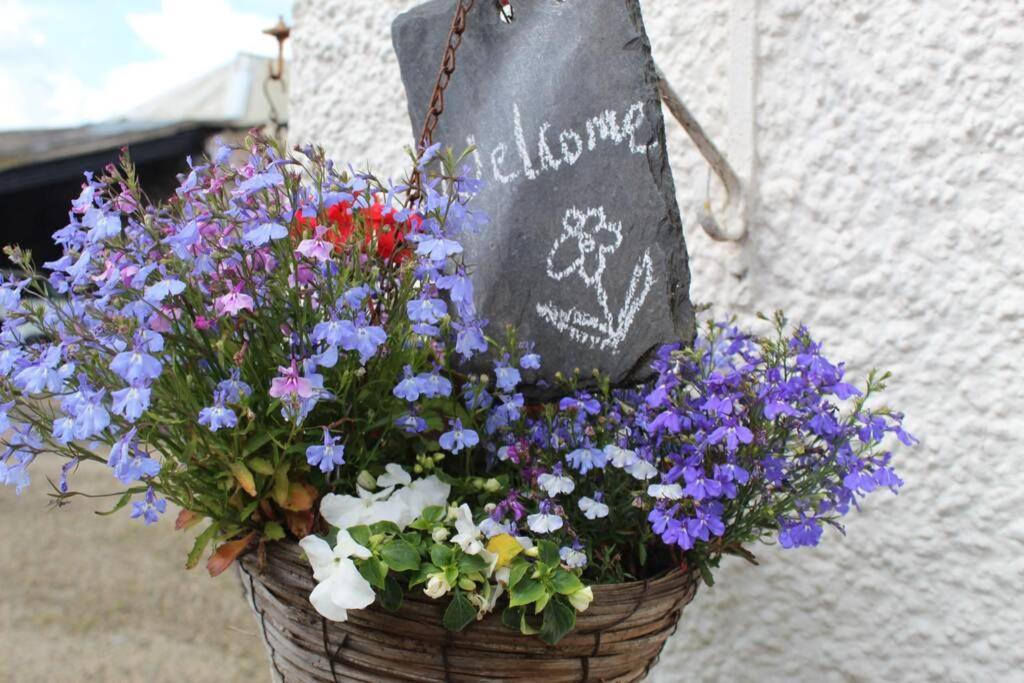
{"points": [[342, 512], [349, 590], [347, 547], [394, 475], [320, 555], [320, 598]]}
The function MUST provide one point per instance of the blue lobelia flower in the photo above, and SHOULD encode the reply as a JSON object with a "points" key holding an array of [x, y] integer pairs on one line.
{"points": [[470, 339], [44, 374], [408, 389], [586, 458], [437, 248], [265, 232], [361, 337], [802, 532], [234, 389], [260, 181], [506, 378], [137, 365], [5, 420], [327, 456], [184, 240], [150, 508], [530, 361], [156, 293], [411, 424], [433, 385], [218, 415], [426, 310], [458, 438], [131, 402], [459, 286]]}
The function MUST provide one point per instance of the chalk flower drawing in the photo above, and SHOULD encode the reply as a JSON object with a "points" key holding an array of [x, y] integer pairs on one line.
{"points": [[589, 239]]}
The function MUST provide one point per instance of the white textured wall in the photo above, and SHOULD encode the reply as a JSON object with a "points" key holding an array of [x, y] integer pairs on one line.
{"points": [[890, 217]]}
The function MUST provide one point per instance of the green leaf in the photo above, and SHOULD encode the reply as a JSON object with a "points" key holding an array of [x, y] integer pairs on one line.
{"points": [[460, 612], [374, 571], [472, 563], [385, 527], [400, 556], [512, 617], [202, 540], [559, 619], [261, 466], [440, 555], [565, 582], [549, 553], [272, 531], [391, 597], [421, 576], [433, 514], [360, 534], [526, 592], [517, 572], [122, 501]]}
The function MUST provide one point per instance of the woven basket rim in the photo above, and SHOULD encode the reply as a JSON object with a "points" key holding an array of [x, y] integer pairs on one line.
{"points": [[618, 638]]}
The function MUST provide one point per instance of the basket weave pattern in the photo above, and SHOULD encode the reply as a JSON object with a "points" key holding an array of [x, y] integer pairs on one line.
{"points": [[617, 639]]}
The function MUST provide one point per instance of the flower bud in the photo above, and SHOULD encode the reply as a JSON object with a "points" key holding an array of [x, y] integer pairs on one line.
{"points": [[437, 586], [367, 480], [492, 485], [466, 584], [582, 598], [532, 552], [439, 534], [417, 468]]}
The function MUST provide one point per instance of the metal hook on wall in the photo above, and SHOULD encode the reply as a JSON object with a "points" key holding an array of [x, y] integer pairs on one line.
{"points": [[728, 222]]}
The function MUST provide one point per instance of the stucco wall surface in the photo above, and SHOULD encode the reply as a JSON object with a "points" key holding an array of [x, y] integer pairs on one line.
{"points": [[888, 216]]}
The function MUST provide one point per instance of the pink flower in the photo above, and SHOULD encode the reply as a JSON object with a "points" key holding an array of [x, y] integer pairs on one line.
{"points": [[234, 302], [316, 248], [203, 323], [290, 383]]}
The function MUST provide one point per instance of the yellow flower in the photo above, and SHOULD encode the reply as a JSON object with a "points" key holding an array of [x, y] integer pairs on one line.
{"points": [[505, 547]]}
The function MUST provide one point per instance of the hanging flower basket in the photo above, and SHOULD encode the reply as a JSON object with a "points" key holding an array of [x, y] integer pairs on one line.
{"points": [[617, 639]]}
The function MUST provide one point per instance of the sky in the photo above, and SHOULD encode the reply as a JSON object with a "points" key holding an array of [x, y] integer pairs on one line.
{"points": [[71, 62]]}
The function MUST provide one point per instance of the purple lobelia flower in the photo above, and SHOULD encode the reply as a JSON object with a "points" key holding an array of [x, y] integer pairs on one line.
{"points": [[328, 455], [150, 508]]}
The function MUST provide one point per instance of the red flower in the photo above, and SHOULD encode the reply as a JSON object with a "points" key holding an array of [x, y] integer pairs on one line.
{"points": [[378, 227]]}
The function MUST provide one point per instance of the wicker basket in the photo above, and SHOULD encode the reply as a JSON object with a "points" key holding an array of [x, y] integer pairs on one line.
{"points": [[617, 639]]}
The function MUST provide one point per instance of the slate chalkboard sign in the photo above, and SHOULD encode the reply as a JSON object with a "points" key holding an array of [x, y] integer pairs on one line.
{"points": [[584, 251]]}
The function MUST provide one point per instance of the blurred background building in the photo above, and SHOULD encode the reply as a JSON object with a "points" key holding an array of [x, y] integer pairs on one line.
{"points": [[41, 169]]}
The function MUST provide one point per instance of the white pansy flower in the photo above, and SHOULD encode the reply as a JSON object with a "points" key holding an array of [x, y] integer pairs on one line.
{"points": [[340, 587], [669, 491], [555, 483], [394, 475], [642, 470], [418, 496], [468, 536], [344, 512], [593, 508], [620, 457]]}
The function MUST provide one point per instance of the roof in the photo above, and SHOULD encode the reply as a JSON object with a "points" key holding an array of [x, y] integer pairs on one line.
{"points": [[234, 96], [39, 157], [237, 93]]}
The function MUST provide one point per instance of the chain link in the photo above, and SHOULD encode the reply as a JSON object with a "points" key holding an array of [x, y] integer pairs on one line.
{"points": [[444, 77]]}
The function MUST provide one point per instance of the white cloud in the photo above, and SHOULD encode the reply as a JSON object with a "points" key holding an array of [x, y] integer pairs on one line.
{"points": [[189, 37]]}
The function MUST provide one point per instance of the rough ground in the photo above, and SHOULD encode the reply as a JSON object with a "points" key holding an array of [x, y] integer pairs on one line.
{"points": [[87, 598]]}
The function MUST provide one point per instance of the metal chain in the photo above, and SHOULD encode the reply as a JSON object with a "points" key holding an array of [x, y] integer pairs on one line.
{"points": [[444, 77]]}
